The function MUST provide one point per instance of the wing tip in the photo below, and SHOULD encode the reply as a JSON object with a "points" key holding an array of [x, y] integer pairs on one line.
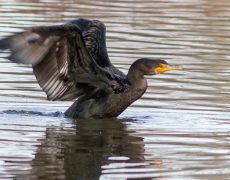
{"points": [[15, 59], [4, 43]]}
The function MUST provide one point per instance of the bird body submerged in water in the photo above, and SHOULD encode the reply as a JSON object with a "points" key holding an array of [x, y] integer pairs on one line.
{"points": [[70, 61]]}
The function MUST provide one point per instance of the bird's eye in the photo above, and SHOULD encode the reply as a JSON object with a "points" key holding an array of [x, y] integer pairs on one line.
{"points": [[163, 65]]}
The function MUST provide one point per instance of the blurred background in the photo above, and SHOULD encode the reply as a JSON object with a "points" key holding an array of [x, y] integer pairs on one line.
{"points": [[179, 129]]}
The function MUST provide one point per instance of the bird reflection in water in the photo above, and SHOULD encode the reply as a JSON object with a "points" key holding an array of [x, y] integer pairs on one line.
{"points": [[79, 152]]}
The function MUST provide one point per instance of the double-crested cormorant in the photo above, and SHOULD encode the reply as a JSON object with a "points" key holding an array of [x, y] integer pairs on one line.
{"points": [[70, 61]]}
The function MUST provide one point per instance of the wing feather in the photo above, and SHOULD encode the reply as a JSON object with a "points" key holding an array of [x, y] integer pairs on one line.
{"points": [[61, 62], [94, 35]]}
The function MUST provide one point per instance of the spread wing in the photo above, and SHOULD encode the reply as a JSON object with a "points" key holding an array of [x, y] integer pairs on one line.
{"points": [[94, 35], [60, 59]]}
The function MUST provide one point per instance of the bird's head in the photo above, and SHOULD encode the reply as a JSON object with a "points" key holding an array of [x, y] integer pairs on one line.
{"points": [[147, 66]]}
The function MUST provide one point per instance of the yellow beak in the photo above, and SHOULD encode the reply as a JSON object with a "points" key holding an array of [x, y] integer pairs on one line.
{"points": [[166, 67]]}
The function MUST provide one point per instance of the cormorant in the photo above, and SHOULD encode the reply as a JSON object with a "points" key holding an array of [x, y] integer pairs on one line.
{"points": [[70, 61]]}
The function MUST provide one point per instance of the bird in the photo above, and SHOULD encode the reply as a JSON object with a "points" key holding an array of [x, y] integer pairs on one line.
{"points": [[70, 62]]}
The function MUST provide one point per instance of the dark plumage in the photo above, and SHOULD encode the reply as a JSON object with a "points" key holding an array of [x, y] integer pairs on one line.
{"points": [[70, 61]]}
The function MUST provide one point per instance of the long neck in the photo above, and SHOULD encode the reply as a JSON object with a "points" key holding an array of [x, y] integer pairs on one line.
{"points": [[136, 78], [135, 73]]}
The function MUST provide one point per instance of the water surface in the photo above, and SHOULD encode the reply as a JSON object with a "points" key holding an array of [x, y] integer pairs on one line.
{"points": [[178, 130]]}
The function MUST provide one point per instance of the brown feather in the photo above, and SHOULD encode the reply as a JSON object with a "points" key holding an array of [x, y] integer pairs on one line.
{"points": [[61, 62]]}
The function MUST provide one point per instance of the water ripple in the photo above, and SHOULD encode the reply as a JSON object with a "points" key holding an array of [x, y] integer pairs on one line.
{"points": [[178, 130]]}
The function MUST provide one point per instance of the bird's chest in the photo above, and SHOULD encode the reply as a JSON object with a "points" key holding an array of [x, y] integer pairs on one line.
{"points": [[117, 103], [132, 96]]}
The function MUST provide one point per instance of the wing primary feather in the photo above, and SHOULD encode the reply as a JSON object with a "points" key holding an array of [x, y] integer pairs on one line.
{"points": [[62, 59]]}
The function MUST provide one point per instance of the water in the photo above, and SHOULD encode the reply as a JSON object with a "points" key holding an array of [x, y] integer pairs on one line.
{"points": [[178, 130]]}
